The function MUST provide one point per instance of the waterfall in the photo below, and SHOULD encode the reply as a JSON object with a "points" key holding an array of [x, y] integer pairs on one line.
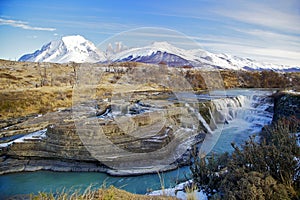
{"points": [[234, 118], [225, 110], [199, 117], [253, 109], [250, 108]]}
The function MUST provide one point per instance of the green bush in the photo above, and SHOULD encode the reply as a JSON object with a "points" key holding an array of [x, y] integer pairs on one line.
{"points": [[207, 171], [257, 170], [274, 155], [239, 184]]}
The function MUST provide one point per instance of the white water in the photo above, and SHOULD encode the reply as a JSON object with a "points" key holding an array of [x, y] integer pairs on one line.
{"points": [[236, 118], [244, 113], [243, 116], [200, 118]]}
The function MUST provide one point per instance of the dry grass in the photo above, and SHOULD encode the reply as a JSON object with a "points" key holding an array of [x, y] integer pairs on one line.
{"points": [[110, 193], [32, 88], [23, 102]]}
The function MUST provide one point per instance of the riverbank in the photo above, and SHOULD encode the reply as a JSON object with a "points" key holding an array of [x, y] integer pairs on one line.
{"points": [[281, 135], [62, 149], [40, 101], [28, 181], [237, 110]]}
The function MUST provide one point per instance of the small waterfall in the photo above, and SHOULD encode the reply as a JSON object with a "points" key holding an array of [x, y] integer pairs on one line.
{"points": [[213, 122], [204, 123], [226, 109], [235, 118], [199, 117], [253, 109]]}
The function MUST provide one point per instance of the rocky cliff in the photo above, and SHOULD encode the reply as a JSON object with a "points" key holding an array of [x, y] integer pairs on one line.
{"points": [[62, 149]]}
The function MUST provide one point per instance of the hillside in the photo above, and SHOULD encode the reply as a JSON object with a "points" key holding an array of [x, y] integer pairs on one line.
{"points": [[34, 88]]}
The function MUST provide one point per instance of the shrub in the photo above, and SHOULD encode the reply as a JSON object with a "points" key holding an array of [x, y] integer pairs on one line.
{"points": [[239, 184], [258, 170], [206, 171]]}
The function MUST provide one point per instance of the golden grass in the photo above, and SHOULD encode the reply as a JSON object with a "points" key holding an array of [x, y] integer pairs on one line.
{"points": [[110, 193], [24, 102], [32, 88]]}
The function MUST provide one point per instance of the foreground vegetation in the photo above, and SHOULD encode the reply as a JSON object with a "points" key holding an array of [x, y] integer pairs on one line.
{"points": [[268, 169], [110, 193]]}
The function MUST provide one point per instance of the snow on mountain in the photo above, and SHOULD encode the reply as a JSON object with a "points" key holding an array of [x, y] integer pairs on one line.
{"points": [[77, 49], [68, 49], [159, 52], [156, 53]]}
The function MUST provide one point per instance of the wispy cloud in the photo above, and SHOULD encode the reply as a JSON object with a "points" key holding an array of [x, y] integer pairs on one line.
{"points": [[265, 14], [91, 24], [23, 25], [270, 34], [274, 39], [32, 36]]}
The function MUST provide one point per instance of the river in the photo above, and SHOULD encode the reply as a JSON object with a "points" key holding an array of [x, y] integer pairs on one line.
{"points": [[247, 113]]}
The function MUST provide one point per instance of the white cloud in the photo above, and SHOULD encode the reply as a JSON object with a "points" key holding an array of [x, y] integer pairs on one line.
{"points": [[88, 24], [284, 17], [23, 25], [265, 30], [270, 35]]}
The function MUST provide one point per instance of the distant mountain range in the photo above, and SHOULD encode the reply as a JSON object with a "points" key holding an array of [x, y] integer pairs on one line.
{"points": [[78, 49]]}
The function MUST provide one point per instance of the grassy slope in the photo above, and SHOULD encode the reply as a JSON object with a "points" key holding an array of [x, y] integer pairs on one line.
{"points": [[21, 93], [32, 88]]}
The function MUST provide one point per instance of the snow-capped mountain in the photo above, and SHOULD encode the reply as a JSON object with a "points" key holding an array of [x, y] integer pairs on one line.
{"points": [[78, 49], [163, 52], [68, 49], [156, 53]]}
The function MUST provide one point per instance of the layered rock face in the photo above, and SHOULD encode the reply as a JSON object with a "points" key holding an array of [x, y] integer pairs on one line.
{"points": [[60, 150], [66, 146]]}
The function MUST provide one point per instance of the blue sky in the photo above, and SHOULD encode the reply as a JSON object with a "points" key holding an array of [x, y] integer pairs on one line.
{"points": [[258, 29]]}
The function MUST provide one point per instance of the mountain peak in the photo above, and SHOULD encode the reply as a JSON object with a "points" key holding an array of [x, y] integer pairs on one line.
{"points": [[165, 47], [72, 48], [161, 44], [75, 48], [73, 39]]}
